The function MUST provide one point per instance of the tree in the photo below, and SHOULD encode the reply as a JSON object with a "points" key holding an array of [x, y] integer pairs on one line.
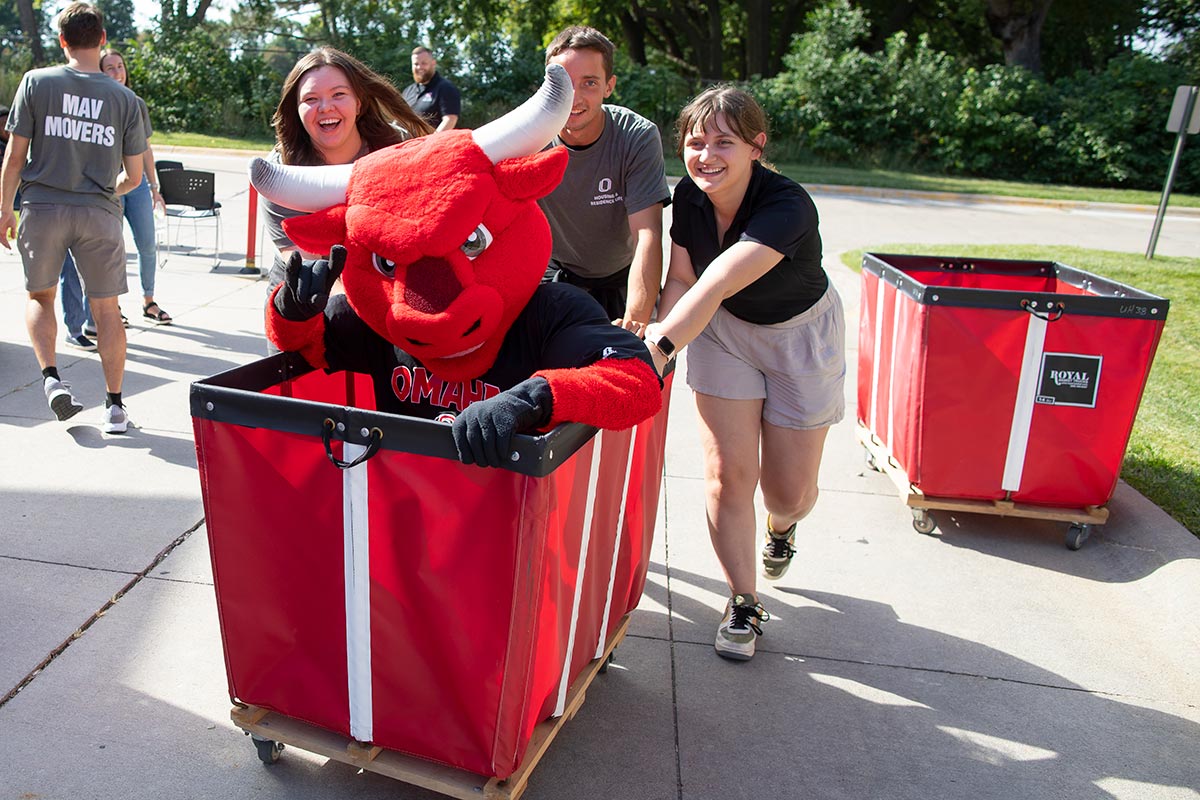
{"points": [[118, 20], [711, 39], [31, 23], [1018, 26], [1177, 22], [177, 18]]}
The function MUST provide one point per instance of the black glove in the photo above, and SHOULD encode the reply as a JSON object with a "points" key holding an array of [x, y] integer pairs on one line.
{"points": [[307, 284], [483, 432]]}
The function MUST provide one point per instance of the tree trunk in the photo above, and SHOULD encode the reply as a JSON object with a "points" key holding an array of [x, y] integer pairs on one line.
{"points": [[1018, 26], [791, 18], [758, 38], [197, 16], [711, 46], [31, 24], [633, 30]]}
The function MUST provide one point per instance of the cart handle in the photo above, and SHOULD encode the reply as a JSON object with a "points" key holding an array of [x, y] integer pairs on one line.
{"points": [[1054, 311], [327, 429]]}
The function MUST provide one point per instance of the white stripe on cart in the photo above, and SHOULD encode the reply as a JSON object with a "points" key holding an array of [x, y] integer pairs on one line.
{"points": [[580, 573], [357, 563]]}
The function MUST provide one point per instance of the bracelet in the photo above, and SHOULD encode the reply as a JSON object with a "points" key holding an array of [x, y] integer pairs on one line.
{"points": [[154, 186]]}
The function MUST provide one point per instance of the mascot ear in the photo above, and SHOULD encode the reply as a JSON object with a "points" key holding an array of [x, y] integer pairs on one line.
{"points": [[318, 232], [531, 177]]}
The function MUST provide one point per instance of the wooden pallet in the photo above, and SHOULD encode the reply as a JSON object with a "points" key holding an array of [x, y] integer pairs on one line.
{"points": [[276, 727], [880, 458]]}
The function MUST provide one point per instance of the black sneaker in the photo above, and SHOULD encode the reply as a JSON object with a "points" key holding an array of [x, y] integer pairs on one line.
{"points": [[739, 627], [81, 342], [777, 552], [89, 328]]}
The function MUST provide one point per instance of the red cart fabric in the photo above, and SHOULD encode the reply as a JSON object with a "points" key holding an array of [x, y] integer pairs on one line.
{"points": [[429, 607], [993, 379]]}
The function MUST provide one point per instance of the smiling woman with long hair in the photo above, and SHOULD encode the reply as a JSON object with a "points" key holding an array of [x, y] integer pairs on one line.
{"points": [[765, 331], [333, 109]]}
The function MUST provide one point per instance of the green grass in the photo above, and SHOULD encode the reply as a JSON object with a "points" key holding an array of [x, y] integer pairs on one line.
{"points": [[809, 174], [204, 140], [1163, 458]]}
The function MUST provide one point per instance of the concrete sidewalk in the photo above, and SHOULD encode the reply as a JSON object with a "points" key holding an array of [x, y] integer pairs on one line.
{"points": [[985, 662]]}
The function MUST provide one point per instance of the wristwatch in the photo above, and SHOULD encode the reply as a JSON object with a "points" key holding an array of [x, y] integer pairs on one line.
{"points": [[664, 345]]}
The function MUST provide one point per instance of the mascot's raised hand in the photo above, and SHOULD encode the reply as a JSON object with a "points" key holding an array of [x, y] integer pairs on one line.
{"points": [[307, 285]]}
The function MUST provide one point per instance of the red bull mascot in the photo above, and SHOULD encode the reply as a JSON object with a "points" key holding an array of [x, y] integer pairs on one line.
{"points": [[441, 247]]}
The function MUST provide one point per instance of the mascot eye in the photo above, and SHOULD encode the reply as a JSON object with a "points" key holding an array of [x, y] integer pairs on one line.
{"points": [[385, 267], [477, 242]]}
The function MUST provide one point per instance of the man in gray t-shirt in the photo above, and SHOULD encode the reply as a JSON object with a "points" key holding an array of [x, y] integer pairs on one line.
{"points": [[76, 144], [606, 215]]}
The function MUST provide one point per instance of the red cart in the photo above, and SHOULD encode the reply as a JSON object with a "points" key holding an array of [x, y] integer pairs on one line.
{"points": [[1000, 386], [385, 605]]}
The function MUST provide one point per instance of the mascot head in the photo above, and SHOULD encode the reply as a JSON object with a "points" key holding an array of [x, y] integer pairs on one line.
{"points": [[445, 241]]}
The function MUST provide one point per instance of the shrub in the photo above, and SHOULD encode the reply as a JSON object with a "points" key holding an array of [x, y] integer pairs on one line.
{"points": [[1112, 131], [1001, 125]]}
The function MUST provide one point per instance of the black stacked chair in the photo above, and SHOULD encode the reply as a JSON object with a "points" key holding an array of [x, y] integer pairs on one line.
{"points": [[191, 195]]}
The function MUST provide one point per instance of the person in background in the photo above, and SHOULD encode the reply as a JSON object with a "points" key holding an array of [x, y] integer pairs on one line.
{"points": [[606, 215], [3, 130], [333, 109], [765, 337], [76, 146], [138, 209], [430, 95]]}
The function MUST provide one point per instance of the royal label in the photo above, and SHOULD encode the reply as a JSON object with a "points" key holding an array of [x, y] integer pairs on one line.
{"points": [[1069, 379]]}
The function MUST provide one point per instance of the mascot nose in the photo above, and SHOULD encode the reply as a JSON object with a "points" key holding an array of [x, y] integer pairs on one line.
{"points": [[430, 285]]}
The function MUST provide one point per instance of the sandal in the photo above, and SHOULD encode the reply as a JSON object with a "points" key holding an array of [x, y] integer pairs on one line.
{"points": [[158, 317]]}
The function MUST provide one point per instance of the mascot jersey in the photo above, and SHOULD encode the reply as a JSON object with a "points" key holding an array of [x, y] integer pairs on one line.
{"points": [[560, 328]]}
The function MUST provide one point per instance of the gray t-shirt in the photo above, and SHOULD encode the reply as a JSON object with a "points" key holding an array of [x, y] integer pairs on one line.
{"points": [[80, 125], [620, 174]]}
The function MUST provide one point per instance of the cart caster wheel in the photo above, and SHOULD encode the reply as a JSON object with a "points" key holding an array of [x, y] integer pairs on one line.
{"points": [[923, 523], [1077, 534], [870, 459], [611, 658], [268, 750]]}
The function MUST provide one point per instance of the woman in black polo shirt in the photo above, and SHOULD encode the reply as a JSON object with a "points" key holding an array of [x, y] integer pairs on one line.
{"points": [[766, 357]]}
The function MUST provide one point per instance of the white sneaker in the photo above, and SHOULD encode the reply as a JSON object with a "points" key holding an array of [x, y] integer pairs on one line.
{"points": [[739, 629], [115, 420], [62, 402]]}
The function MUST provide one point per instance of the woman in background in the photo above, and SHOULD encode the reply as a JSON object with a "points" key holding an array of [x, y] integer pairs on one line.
{"points": [[333, 110], [766, 362]]}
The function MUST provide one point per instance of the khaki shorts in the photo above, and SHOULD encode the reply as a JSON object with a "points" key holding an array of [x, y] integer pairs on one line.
{"points": [[94, 236], [797, 367]]}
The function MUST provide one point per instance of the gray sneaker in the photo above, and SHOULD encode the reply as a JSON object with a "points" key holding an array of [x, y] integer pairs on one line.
{"points": [[115, 420], [777, 551], [62, 402], [739, 627]]}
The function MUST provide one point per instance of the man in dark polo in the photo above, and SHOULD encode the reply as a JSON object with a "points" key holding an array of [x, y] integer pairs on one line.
{"points": [[431, 95]]}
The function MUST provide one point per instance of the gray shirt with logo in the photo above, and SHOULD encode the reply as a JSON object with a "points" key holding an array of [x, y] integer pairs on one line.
{"points": [[621, 174], [80, 126]]}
